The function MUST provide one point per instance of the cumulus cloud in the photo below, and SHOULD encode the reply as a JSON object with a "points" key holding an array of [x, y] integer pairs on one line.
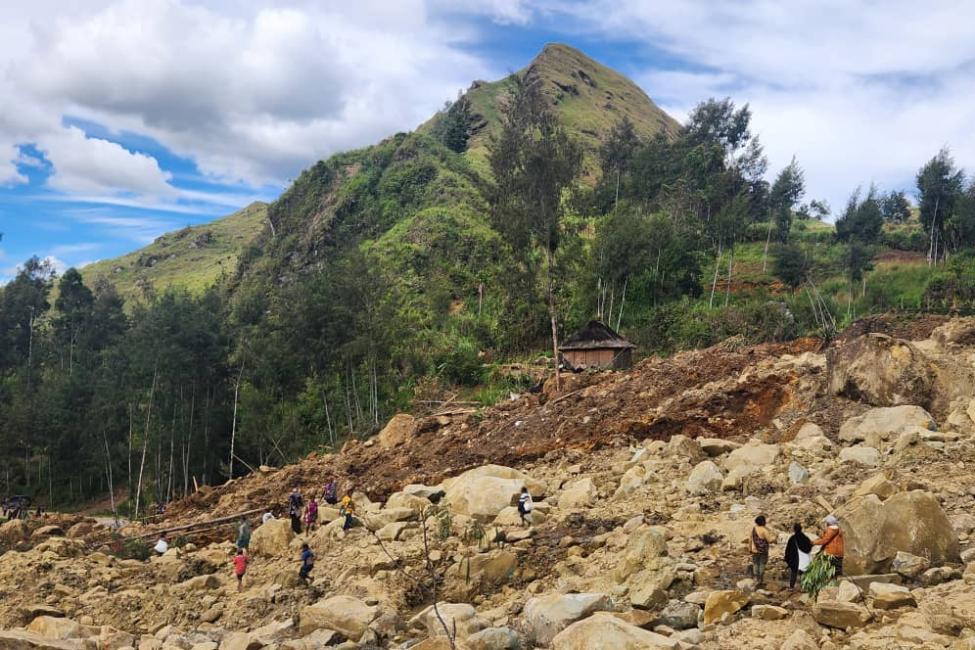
{"points": [[857, 92]]}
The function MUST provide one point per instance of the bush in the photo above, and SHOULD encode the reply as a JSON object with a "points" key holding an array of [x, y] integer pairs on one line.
{"points": [[133, 548], [819, 575]]}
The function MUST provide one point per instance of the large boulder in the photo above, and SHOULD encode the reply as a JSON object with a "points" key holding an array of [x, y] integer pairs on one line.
{"points": [[13, 531], [754, 454], [494, 638], [400, 428], [704, 479], [719, 603], [459, 617], [912, 522], [881, 371], [20, 640], [833, 613], [546, 616], [603, 631], [272, 538], [482, 570], [485, 491], [51, 627], [578, 494], [861, 455], [344, 614], [881, 425]]}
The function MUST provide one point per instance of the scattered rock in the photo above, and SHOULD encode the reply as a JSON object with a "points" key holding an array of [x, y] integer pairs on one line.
{"points": [[881, 371], [272, 538], [603, 631], [578, 494], [862, 455], [719, 603], [546, 616], [400, 428], [769, 612], [909, 566], [888, 596], [833, 613], [704, 479], [344, 614], [797, 473]]}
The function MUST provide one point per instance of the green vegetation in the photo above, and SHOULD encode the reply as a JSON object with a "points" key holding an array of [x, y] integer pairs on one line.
{"points": [[194, 258], [415, 269]]}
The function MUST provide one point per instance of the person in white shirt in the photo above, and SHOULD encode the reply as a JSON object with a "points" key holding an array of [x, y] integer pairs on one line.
{"points": [[161, 546], [268, 516], [525, 506]]}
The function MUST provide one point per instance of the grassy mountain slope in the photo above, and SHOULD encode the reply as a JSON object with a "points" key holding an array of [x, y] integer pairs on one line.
{"points": [[193, 258]]}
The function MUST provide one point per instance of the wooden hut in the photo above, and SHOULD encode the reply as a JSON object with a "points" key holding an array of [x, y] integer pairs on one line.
{"points": [[596, 346]]}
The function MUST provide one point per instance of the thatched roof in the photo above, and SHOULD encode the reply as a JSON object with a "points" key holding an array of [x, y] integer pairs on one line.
{"points": [[595, 336]]}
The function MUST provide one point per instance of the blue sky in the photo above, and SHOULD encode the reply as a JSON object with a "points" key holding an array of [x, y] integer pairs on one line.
{"points": [[123, 119]]}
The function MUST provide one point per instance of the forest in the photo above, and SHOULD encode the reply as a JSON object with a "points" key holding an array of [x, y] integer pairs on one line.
{"points": [[430, 272]]}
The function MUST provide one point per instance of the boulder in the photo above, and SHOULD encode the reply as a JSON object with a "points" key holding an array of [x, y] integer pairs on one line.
{"points": [[393, 531], [908, 565], [719, 603], [603, 631], [483, 569], [642, 547], [236, 641], [411, 501], [679, 615], [881, 371], [47, 531], [847, 592], [811, 438], [546, 616], [754, 454], [684, 447], [880, 425], [797, 473], [272, 538], [769, 612], [485, 491], [704, 479], [345, 614], [715, 447], [13, 531], [800, 640], [400, 428], [833, 613], [888, 596], [81, 529], [578, 494], [51, 627], [861, 455], [494, 638], [21, 640], [632, 479], [458, 616], [877, 484]]}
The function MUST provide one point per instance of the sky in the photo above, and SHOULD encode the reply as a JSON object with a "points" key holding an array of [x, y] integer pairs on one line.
{"points": [[124, 119]]}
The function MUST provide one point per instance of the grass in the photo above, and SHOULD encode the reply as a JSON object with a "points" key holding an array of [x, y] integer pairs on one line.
{"points": [[193, 258]]}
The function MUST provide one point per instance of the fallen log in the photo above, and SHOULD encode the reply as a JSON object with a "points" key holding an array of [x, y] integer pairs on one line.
{"points": [[202, 525]]}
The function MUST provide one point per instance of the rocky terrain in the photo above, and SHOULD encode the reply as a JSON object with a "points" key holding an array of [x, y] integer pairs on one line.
{"points": [[646, 483]]}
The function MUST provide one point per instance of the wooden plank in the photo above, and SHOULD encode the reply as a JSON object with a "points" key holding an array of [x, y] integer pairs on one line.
{"points": [[203, 525]]}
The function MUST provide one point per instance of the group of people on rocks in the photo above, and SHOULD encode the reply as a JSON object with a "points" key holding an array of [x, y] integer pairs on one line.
{"points": [[300, 513], [798, 549]]}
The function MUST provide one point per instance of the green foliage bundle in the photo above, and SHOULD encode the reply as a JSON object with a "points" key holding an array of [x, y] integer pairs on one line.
{"points": [[818, 575]]}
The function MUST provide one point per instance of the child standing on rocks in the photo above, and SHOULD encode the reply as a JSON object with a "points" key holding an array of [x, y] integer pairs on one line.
{"points": [[525, 506], [307, 563], [240, 568]]}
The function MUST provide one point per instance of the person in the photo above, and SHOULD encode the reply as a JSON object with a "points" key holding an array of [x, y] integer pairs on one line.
{"points": [[240, 568], [295, 503], [330, 493], [311, 514], [797, 551], [161, 546], [525, 506], [307, 563], [347, 509], [267, 516], [243, 534], [831, 542], [760, 540]]}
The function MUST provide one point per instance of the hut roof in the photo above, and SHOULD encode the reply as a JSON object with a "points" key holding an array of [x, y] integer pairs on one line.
{"points": [[595, 336]]}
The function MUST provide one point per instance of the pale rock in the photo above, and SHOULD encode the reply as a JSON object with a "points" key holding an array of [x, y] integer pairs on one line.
{"points": [[22, 640], [737, 476], [13, 531], [200, 583], [431, 493], [908, 565], [704, 479], [546, 616], [47, 531], [459, 616], [715, 447], [393, 531], [632, 479], [400, 429], [797, 473], [939, 575], [877, 484], [484, 569], [862, 455], [679, 615], [888, 596], [719, 603], [272, 538], [578, 494], [906, 439], [483, 492], [880, 425], [494, 638], [603, 631], [50, 627], [881, 371], [848, 592], [684, 447], [769, 612], [238, 641], [800, 640], [754, 454], [832, 613], [344, 614]]}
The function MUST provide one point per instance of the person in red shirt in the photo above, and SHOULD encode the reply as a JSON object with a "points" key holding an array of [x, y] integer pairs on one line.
{"points": [[240, 568]]}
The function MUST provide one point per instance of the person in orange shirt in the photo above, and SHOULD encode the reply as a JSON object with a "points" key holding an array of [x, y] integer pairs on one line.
{"points": [[831, 542], [240, 568]]}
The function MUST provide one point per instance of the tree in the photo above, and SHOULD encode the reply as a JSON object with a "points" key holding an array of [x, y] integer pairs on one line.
{"points": [[74, 306], [787, 190], [453, 128], [861, 220], [791, 265], [616, 154], [939, 186], [895, 207], [534, 161]]}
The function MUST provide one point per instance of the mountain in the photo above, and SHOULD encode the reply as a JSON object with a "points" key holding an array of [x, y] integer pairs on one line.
{"points": [[193, 258]]}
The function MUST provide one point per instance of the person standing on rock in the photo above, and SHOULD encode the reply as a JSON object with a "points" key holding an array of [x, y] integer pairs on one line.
{"points": [[161, 546], [295, 502], [307, 563], [240, 568], [347, 509], [525, 506], [797, 551], [831, 542], [311, 514], [760, 540], [243, 535], [330, 493]]}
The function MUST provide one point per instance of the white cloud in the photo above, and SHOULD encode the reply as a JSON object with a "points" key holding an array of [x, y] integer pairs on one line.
{"points": [[859, 92], [9, 173]]}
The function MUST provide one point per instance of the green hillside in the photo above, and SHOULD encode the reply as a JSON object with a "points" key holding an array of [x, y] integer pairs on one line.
{"points": [[193, 258]]}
